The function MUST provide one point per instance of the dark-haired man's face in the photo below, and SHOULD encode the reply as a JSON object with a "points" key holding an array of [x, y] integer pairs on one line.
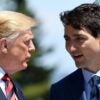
{"points": [[81, 45]]}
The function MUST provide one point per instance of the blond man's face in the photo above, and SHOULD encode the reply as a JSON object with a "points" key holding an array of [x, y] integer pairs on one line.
{"points": [[19, 51]]}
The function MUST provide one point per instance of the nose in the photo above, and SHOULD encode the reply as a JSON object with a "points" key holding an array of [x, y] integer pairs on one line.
{"points": [[31, 47], [71, 48]]}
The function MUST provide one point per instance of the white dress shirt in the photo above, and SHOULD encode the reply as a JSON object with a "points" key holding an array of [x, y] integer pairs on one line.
{"points": [[2, 83]]}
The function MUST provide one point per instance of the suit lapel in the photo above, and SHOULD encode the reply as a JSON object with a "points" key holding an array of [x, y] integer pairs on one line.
{"points": [[18, 91], [2, 96], [83, 97], [77, 84]]}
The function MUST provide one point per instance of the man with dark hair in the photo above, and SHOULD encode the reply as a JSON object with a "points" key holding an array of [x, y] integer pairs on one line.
{"points": [[82, 36]]}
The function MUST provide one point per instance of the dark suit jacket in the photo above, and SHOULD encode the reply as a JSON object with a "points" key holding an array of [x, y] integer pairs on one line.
{"points": [[69, 88], [17, 90]]}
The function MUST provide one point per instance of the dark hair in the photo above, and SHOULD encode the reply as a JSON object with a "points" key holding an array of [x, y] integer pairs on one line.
{"points": [[85, 15]]}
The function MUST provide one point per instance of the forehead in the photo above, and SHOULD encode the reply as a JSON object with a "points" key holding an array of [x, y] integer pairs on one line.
{"points": [[70, 31], [26, 34]]}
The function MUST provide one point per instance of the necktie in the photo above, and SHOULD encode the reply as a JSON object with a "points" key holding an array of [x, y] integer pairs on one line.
{"points": [[9, 88], [95, 88]]}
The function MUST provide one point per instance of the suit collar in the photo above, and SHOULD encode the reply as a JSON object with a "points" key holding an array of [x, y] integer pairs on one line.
{"points": [[77, 84], [2, 96], [18, 91]]}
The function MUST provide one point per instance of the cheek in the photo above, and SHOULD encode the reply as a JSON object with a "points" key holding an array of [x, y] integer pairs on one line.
{"points": [[19, 51], [90, 50]]}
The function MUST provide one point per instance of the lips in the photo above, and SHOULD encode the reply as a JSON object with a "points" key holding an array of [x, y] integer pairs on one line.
{"points": [[26, 60], [76, 57]]}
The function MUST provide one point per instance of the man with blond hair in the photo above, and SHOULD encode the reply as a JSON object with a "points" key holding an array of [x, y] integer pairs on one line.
{"points": [[16, 47]]}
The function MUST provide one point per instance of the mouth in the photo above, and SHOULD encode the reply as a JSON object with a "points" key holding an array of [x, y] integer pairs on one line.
{"points": [[27, 60], [77, 57]]}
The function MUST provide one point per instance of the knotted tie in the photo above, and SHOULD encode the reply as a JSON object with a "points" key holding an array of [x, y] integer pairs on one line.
{"points": [[9, 88], [95, 88]]}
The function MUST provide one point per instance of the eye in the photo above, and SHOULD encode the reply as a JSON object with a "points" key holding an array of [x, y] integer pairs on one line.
{"points": [[66, 38], [80, 39], [27, 42], [67, 41]]}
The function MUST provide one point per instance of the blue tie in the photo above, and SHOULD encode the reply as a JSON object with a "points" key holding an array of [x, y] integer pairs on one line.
{"points": [[95, 88]]}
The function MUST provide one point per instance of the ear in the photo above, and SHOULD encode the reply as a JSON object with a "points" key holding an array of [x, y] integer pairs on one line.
{"points": [[3, 45]]}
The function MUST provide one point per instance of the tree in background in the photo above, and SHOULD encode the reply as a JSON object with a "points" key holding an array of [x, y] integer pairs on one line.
{"points": [[34, 80], [97, 2]]}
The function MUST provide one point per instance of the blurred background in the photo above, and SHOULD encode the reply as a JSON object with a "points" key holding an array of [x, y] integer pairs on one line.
{"points": [[51, 62]]}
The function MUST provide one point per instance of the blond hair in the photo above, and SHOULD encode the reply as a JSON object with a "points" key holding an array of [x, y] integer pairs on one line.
{"points": [[11, 22]]}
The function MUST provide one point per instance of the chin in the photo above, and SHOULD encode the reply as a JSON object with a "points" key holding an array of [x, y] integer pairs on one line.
{"points": [[25, 65], [80, 65]]}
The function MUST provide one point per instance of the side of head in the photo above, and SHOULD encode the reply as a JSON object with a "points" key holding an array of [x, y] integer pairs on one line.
{"points": [[85, 15], [15, 40], [11, 22], [82, 35]]}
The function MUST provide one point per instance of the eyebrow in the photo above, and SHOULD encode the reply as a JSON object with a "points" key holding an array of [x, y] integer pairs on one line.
{"points": [[75, 35]]}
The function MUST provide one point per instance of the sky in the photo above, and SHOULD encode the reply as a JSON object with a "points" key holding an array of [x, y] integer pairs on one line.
{"points": [[47, 11]]}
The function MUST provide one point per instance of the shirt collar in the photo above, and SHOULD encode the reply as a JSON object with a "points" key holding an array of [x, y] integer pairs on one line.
{"points": [[98, 73], [2, 72], [87, 75]]}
